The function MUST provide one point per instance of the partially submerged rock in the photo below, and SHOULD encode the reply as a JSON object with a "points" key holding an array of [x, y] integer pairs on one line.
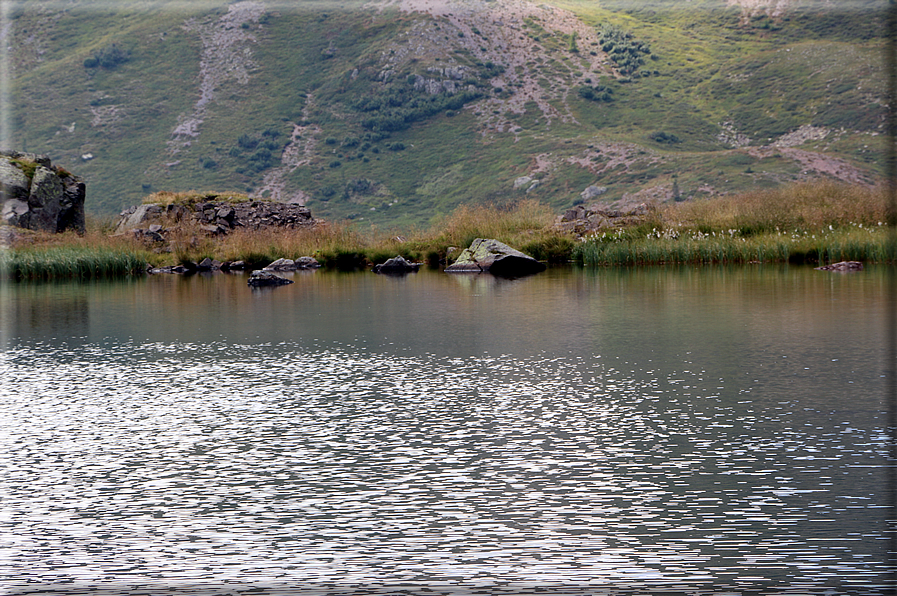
{"points": [[261, 277], [396, 266], [842, 266], [291, 265], [495, 257]]}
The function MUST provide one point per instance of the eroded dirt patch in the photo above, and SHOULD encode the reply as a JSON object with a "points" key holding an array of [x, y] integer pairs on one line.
{"points": [[226, 58]]}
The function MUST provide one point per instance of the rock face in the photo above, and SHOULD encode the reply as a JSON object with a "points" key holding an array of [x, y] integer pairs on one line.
{"points": [[37, 195], [261, 277], [582, 220], [219, 217], [495, 257], [396, 266]]}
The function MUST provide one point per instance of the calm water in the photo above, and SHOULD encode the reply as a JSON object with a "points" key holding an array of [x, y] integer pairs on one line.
{"points": [[641, 431]]}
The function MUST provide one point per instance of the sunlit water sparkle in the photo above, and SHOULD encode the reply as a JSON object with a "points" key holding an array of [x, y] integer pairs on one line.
{"points": [[147, 465]]}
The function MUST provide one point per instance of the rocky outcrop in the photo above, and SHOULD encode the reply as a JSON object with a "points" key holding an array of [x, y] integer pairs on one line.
{"points": [[842, 266], [261, 277], [216, 216], [582, 220], [495, 257], [396, 266], [37, 195]]}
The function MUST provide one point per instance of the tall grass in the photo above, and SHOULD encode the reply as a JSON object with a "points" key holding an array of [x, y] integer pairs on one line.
{"points": [[820, 222], [68, 262]]}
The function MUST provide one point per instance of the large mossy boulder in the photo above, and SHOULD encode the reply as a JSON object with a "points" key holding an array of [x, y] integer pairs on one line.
{"points": [[497, 258], [36, 195]]}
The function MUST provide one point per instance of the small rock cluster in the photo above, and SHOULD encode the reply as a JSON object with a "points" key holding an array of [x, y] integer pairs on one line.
{"points": [[36, 195], [268, 277], [842, 266], [206, 264], [213, 217], [582, 220]]}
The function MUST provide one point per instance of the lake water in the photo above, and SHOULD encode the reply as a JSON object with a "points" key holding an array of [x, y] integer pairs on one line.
{"points": [[649, 431]]}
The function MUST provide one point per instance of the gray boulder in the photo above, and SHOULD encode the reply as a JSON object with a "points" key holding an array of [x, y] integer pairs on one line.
{"points": [[260, 278], [592, 192], [495, 257], [37, 195], [291, 265], [307, 263], [396, 266], [281, 265]]}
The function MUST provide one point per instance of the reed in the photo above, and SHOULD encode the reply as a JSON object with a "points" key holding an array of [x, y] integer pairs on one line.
{"points": [[849, 243], [69, 262]]}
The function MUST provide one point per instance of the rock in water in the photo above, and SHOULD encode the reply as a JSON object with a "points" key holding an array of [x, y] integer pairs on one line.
{"points": [[396, 265], [495, 257], [843, 266], [260, 278]]}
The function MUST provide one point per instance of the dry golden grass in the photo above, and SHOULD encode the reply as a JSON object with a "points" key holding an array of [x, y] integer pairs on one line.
{"points": [[515, 224], [805, 206]]}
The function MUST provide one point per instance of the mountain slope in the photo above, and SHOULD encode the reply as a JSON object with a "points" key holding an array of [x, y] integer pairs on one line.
{"points": [[396, 111]]}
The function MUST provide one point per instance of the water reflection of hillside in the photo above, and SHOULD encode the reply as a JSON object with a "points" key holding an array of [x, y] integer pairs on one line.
{"points": [[46, 311], [635, 314]]}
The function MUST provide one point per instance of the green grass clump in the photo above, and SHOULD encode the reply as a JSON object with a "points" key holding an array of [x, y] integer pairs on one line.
{"points": [[68, 262]]}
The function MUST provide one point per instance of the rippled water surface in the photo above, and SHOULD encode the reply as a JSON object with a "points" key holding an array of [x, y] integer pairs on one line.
{"points": [[616, 431]]}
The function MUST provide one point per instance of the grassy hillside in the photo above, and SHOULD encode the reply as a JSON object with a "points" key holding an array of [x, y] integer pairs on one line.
{"points": [[384, 114]]}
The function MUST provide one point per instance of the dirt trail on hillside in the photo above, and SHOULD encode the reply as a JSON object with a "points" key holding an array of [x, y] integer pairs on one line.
{"points": [[298, 152], [226, 57]]}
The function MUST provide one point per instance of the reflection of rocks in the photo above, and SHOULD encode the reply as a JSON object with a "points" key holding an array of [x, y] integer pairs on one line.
{"points": [[582, 220], [842, 266], [217, 217], [260, 278], [37, 195], [495, 257], [396, 266]]}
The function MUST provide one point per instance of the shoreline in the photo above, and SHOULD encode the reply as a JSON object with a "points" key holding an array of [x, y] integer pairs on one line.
{"points": [[811, 223]]}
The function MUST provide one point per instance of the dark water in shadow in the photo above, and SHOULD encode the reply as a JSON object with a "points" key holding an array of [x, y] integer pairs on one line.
{"points": [[696, 431]]}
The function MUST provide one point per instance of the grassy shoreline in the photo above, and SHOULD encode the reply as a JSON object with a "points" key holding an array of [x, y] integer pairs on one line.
{"points": [[814, 223]]}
